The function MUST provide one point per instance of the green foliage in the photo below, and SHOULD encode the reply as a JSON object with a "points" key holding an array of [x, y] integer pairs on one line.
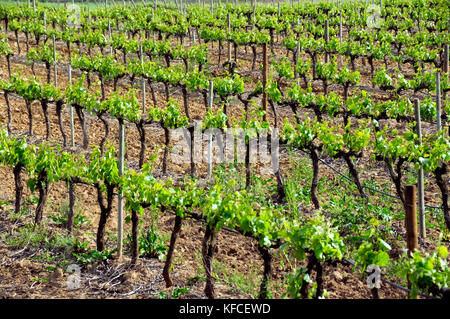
{"points": [[426, 271], [318, 237], [295, 282], [93, 255], [373, 250], [151, 245], [212, 120], [61, 216], [5, 48], [170, 117]]}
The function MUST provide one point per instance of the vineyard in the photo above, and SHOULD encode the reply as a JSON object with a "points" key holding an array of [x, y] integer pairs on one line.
{"points": [[163, 149]]}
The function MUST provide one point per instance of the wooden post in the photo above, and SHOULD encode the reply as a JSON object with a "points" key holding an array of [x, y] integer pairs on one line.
{"points": [[264, 79], [411, 218], [121, 160], [210, 104], [54, 58], [34, 5], [438, 101], [72, 138], [420, 174]]}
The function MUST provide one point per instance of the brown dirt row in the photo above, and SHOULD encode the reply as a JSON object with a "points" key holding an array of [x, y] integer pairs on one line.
{"points": [[239, 254]]}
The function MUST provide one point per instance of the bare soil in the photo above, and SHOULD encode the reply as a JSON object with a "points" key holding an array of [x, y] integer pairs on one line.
{"points": [[23, 277]]}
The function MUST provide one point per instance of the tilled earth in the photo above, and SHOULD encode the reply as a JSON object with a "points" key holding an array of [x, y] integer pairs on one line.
{"points": [[239, 264]]}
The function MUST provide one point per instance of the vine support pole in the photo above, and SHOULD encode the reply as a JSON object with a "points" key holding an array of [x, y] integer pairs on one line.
{"points": [[297, 58], [420, 178], [110, 37], [254, 13], [69, 74], [120, 201], [143, 80], [54, 60], [210, 104], [445, 66], [264, 80], [438, 101], [229, 42], [340, 36], [327, 37], [44, 22]]}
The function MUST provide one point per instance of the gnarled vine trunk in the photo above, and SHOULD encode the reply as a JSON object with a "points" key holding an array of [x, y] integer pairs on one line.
{"points": [[315, 181], [267, 258], [18, 187], [105, 212], [42, 186], [70, 216], [135, 236], [81, 117], [208, 246], [173, 238], [59, 105]]}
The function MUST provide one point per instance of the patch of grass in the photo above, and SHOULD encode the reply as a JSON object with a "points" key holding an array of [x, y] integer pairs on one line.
{"points": [[25, 211], [92, 256], [151, 243], [62, 213], [40, 280], [5, 203], [297, 184], [247, 283], [37, 237], [176, 293]]}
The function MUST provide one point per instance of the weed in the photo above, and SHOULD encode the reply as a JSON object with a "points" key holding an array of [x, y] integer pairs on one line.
{"points": [[62, 214], [94, 255]]}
